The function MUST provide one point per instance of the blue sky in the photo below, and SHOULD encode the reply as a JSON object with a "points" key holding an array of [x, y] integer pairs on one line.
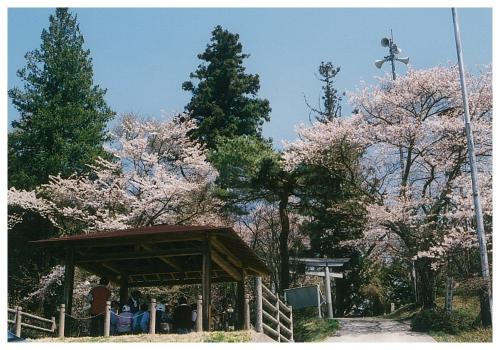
{"points": [[142, 56]]}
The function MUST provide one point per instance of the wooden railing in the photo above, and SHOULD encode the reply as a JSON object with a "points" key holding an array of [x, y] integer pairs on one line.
{"points": [[20, 316], [274, 317]]}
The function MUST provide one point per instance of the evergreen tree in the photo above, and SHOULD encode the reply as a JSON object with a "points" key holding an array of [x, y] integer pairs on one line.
{"points": [[224, 102], [61, 128], [63, 115], [252, 172], [331, 107]]}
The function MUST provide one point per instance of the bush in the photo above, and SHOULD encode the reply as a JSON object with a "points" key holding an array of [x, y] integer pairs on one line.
{"points": [[439, 320]]}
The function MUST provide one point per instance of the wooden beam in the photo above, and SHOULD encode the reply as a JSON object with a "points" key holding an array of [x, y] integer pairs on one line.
{"points": [[222, 249], [96, 270], [240, 301], [175, 275], [69, 277], [109, 267], [123, 289], [231, 271], [130, 240], [139, 255], [206, 287], [166, 260], [185, 282]]}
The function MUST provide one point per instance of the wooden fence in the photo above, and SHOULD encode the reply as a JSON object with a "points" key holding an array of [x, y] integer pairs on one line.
{"points": [[274, 317], [20, 318]]}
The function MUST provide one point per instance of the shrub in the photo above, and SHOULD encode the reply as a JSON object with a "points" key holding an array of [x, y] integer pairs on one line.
{"points": [[439, 320]]}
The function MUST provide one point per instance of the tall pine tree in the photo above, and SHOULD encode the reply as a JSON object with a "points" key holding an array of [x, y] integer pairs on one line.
{"points": [[224, 102], [63, 115], [61, 128], [331, 108]]}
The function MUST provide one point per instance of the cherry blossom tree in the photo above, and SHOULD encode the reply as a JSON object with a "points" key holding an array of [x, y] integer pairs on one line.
{"points": [[414, 164], [158, 175]]}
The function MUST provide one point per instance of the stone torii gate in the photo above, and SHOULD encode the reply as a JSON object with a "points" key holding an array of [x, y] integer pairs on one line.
{"points": [[321, 267]]}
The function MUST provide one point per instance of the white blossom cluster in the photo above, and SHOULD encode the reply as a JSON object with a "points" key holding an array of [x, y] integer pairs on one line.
{"points": [[157, 175], [409, 135]]}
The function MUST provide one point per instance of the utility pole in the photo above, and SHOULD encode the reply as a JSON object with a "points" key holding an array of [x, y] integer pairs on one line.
{"points": [[473, 167], [394, 50]]}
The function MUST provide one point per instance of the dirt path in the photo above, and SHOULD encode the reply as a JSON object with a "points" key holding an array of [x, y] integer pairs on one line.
{"points": [[376, 330]]}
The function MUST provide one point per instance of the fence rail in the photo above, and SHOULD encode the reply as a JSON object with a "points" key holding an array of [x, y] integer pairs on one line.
{"points": [[20, 316], [274, 317]]}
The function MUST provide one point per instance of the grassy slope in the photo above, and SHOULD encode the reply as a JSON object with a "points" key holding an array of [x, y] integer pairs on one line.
{"points": [[307, 327], [470, 305], [202, 337], [464, 303], [481, 335]]}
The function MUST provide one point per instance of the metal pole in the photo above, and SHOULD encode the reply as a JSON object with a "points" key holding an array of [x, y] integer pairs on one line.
{"points": [[393, 67], [473, 167]]}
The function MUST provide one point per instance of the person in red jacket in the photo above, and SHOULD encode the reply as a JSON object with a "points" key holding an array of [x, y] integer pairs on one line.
{"points": [[97, 298]]}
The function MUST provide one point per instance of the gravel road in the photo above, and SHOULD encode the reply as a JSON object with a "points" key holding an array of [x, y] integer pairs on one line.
{"points": [[376, 330]]}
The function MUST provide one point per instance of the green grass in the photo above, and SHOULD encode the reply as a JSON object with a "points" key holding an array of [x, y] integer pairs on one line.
{"points": [[227, 337], [405, 312], [481, 335], [202, 337], [468, 304], [307, 327]]}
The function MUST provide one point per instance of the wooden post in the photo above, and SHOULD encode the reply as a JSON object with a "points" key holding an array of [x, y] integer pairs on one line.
{"points": [[123, 289], [107, 318], [258, 304], [246, 312], [291, 323], [199, 312], [206, 285], [62, 312], [240, 304], [53, 327], [19, 317], [278, 316], [69, 276], [152, 316]]}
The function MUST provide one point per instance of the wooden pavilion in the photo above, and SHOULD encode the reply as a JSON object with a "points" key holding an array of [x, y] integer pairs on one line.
{"points": [[161, 255]]}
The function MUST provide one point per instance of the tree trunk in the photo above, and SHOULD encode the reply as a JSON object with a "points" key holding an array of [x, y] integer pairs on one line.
{"points": [[485, 307], [285, 231], [427, 283]]}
